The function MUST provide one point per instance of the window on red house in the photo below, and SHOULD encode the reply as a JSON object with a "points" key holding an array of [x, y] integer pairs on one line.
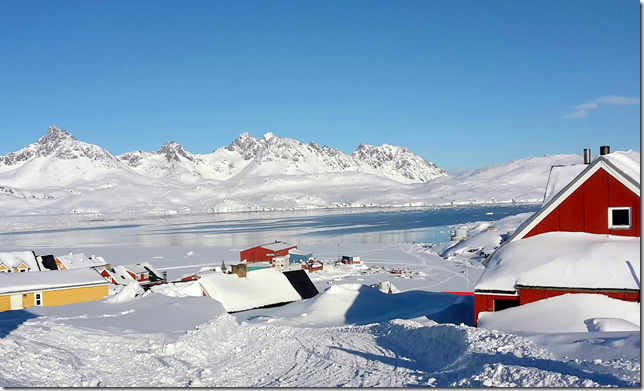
{"points": [[620, 218]]}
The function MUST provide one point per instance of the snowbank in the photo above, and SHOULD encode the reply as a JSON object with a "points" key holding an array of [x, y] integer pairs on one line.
{"points": [[260, 288], [358, 304], [566, 314], [125, 293], [182, 289], [565, 260]]}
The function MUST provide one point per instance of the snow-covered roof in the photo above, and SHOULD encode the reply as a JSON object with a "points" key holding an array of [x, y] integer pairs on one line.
{"points": [[14, 259], [258, 289], [151, 268], [628, 162], [564, 260], [26, 282], [121, 275], [622, 165], [74, 261], [276, 246], [560, 177], [295, 251]]}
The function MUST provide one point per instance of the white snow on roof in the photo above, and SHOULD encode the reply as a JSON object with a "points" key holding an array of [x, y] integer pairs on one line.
{"points": [[260, 288], [276, 246], [121, 275], [150, 268], [295, 251], [560, 177], [21, 282], [14, 259], [74, 261], [566, 260], [627, 162]]}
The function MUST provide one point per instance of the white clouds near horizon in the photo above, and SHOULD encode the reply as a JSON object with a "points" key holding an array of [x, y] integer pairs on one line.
{"points": [[617, 100], [582, 110]]}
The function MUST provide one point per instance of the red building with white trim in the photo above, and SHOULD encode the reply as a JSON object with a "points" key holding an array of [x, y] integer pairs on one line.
{"points": [[266, 252], [602, 197]]}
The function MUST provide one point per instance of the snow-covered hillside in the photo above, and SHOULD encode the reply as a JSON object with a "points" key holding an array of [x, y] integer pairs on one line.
{"points": [[60, 174]]}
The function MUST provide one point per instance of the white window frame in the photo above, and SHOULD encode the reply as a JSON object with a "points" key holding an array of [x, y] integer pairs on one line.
{"points": [[36, 299], [630, 218]]}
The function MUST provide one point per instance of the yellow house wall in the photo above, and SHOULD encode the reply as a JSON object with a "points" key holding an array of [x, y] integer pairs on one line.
{"points": [[59, 297], [27, 301], [74, 295], [5, 303]]}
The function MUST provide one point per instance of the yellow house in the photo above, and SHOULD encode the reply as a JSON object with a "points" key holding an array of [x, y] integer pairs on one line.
{"points": [[18, 262], [51, 288]]}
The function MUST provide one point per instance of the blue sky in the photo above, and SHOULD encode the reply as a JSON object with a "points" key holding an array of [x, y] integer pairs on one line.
{"points": [[461, 83]]}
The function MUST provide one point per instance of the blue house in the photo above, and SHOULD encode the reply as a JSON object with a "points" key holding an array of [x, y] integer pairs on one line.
{"points": [[297, 255]]}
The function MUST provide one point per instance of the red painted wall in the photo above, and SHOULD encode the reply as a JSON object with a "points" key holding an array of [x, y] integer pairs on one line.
{"points": [[485, 303], [531, 295], [261, 254], [586, 209]]}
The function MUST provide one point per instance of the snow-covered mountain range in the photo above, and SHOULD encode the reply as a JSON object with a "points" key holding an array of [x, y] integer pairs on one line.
{"points": [[269, 155], [60, 174]]}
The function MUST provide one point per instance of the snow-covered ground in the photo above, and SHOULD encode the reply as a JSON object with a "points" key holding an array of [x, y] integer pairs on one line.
{"points": [[351, 334]]}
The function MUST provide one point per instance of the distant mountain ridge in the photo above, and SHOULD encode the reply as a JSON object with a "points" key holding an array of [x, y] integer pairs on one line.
{"points": [[247, 156], [60, 174], [59, 159]]}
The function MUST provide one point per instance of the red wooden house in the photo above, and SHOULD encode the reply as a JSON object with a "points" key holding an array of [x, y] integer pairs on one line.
{"points": [[602, 197], [266, 252]]}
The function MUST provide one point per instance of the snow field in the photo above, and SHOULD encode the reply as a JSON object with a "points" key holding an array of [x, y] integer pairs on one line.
{"points": [[47, 352]]}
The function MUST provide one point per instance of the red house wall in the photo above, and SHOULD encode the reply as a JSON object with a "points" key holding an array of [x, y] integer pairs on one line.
{"points": [[586, 209], [531, 295], [261, 254], [485, 303]]}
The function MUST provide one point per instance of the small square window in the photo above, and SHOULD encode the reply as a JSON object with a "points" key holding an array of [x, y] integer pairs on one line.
{"points": [[620, 218], [38, 299]]}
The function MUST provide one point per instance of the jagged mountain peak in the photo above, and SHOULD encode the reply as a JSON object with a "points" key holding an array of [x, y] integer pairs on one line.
{"points": [[55, 135], [174, 152], [53, 139], [246, 145], [58, 158], [269, 136]]}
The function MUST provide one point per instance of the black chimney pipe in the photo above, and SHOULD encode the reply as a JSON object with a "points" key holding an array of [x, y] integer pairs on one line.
{"points": [[604, 150]]}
